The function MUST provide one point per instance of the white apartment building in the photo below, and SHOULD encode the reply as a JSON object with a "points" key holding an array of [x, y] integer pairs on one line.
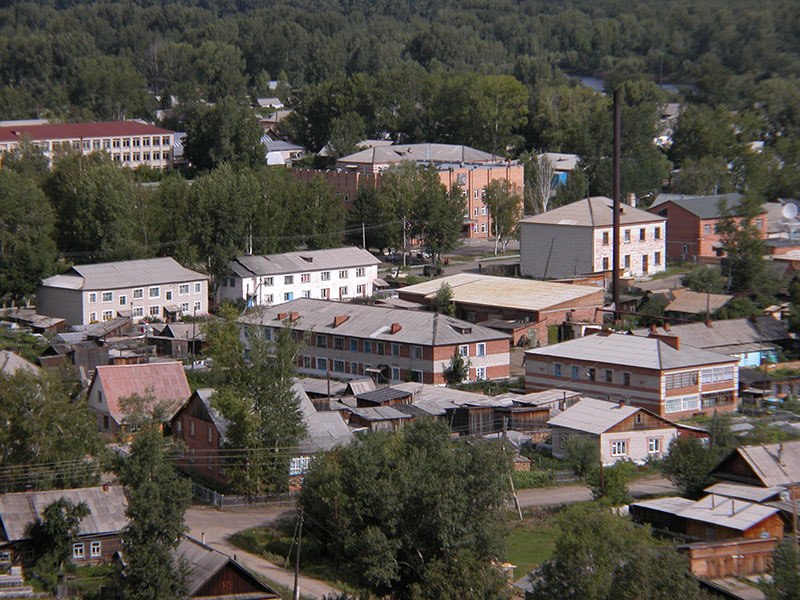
{"points": [[158, 288], [578, 239], [129, 143], [334, 274]]}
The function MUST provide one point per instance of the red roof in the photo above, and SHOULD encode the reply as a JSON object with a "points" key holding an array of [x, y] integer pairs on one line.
{"points": [[62, 131], [165, 382]]}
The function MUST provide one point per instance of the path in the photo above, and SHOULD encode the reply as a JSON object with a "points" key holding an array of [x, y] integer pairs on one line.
{"points": [[566, 494], [218, 525]]}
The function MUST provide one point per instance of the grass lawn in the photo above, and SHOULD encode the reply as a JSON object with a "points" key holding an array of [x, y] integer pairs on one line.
{"points": [[531, 543]]}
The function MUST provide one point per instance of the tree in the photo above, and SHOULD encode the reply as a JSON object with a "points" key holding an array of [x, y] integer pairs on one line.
{"points": [[600, 556], [704, 278], [52, 535], [371, 210], [706, 175], [688, 464], [538, 183], [785, 584], [504, 205], [583, 454], [28, 160], [378, 504], [259, 401], [157, 500], [458, 370], [440, 216], [611, 485], [442, 301]]}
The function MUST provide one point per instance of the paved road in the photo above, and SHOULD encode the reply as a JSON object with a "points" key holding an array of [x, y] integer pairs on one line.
{"points": [[565, 494], [217, 526]]}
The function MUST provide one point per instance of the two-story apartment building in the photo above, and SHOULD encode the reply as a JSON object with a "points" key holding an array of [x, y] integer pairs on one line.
{"points": [[392, 345], [471, 169], [578, 239], [333, 274], [129, 143], [692, 224], [655, 373], [158, 288]]}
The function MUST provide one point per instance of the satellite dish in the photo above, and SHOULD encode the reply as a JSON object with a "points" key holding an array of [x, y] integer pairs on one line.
{"points": [[789, 210]]}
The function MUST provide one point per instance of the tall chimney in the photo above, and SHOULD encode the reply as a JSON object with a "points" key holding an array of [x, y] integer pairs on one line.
{"points": [[617, 209], [631, 200]]}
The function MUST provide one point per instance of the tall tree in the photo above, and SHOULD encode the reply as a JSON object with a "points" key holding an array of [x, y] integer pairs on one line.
{"points": [[157, 500], [52, 535], [538, 183], [785, 583], [505, 210], [440, 219], [442, 301]]}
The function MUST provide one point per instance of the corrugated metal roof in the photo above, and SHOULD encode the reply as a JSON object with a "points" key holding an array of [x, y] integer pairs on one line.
{"points": [[630, 350], [375, 322], [361, 386], [751, 493], [62, 131], [774, 464], [126, 273], [165, 382], [11, 362], [441, 153], [386, 394], [704, 207], [694, 302], [724, 333], [324, 430], [302, 261], [596, 211], [545, 397], [106, 510], [593, 416], [739, 515], [379, 413], [560, 161], [221, 423], [184, 331], [320, 387], [511, 292]]}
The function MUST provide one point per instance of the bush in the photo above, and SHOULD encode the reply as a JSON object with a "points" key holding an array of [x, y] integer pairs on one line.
{"points": [[532, 479]]}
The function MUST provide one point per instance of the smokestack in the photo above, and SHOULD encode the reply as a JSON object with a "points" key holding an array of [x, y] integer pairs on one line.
{"points": [[617, 191]]}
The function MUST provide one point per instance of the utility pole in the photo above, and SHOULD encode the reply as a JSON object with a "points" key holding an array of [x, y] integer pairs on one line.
{"points": [[602, 476], [510, 478], [296, 595], [617, 192]]}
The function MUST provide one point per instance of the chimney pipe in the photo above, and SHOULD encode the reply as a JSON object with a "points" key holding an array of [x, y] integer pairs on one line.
{"points": [[203, 537], [396, 327], [631, 200]]}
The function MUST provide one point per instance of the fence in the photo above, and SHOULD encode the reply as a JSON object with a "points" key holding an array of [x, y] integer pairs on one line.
{"points": [[205, 495]]}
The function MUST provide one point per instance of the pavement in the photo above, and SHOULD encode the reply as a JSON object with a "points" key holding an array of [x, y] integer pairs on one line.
{"points": [[567, 494]]}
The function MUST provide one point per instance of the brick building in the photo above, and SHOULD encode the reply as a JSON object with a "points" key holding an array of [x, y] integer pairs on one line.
{"points": [[544, 306], [392, 345], [655, 373], [692, 224], [466, 167]]}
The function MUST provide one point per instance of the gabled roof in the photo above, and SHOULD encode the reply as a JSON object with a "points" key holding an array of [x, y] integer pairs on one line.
{"points": [[63, 131], [692, 303], [704, 207], [361, 386], [436, 153], [165, 382], [629, 350], [184, 331], [381, 395], [121, 274], [11, 362], [375, 322], [380, 413], [593, 416], [739, 515], [511, 292], [543, 398], [750, 493], [324, 430], [302, 261], [204, 395], [726, 332], [771, 464], [106, 509], [560, 161], [597, 211]]}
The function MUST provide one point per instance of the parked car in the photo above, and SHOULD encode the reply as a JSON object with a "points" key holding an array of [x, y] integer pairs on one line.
{"points": [[432, 270]]}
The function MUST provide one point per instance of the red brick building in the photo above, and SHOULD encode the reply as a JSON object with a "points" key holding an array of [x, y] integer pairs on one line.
{"points": [[692, 224], [392, 345]]}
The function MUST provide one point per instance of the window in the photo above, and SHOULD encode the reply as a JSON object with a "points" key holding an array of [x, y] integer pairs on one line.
{"points": [[322, 341], [590, 374], [642, 235], [338, 366], [322, 364], [94, 549], [657, 233], [145, 141], [626, 379], [480, 373], [657, 258], [210, 463], [758, 224], [305, 278], [609, 376], [476, 193], [605, 263], [183, 289], [395, 374], [619, 448], [92, 297], [267, 281], [155, 311], [287, 296], [682, 404], [557, 369], [654, 446], [353, 345], [627, 261], [168, 295], [199, 305], [137, 294], [716, 375], [360, 289], [416, 352], [93, 317], [209, 435], [416, 376], [191, 428], [480, 349], [576, 372], [154, 292], [360, 272], [367, 346], [483, 227], [681, 380], [484, 211], [685, 249], [108, 315], [108, 296], [123, 300], [395, 349], [475, 212], [379, 348], [191, 455], [156, 155], [138, 311], [354, 368], [137, 142], [463, 350], [323, 293], [198, 287], [342, 291], [325, 276], [288, 279], [627, 235], [306, 293], [306, 362], [77, 551], [116, 143], [707, 229], [338, 343], [343, 274]]}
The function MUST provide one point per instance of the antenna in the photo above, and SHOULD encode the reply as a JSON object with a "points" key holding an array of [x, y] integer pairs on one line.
{"points": [[789, 210]]}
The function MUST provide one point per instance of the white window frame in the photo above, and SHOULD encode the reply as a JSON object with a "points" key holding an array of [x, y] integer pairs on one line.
{"points": [[108, 315], [123, 300], [198, 305], [360, 272], [463, 350], [619, 448], [154, 292], [480, 349], [654, 445], [92, 297], [395, 374], [154, 310], [95, 550], [92, 317], [198, 287], [78, 550], [305, 278], [108, 296], [288, 280], [138, 294], [343, 274], [416, 352], [325, 276], [480, 373], [137, 311], [183, 289]]}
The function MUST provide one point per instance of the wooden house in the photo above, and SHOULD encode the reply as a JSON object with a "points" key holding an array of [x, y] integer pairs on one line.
{"points": [[763, 465], [386, 396]]}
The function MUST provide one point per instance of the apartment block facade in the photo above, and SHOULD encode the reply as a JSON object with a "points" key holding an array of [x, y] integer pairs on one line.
{"points": [[129, 143], [348, 341], [655, 373]]}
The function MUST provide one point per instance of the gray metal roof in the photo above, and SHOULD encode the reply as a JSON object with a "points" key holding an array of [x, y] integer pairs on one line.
{"points": [[751, 493], [320, 387], [324, 430], [774, 464], [380, 413], [692, 303], [106, 510], [11, 362], [725, 333], [596, 211], [631, 350], [302, 261], [121, 274], [220, 422], [593, 416], [732, 513], [545, 397], [375, 322], [436, 153], [704, 207], [386, 394], [361, 386]]}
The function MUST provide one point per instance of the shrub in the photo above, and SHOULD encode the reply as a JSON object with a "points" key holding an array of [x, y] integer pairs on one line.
{"points": [[532, 479]]}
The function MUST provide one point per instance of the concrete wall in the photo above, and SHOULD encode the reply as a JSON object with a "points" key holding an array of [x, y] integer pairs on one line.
{"points": [[58, 302], [637, 444], [571, 252]]}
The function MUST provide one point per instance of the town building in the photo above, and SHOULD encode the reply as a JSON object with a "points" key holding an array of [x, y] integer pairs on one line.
{"points": [[333, 274], [692, 224], [562, 164], [154, 288], [393, 345], [764, 465], [657, 373], [470, 169], [98, 533], [621, 432], [11, 362], [578, 239], [687, 304], [536, 310], [129, 143], [161, 385]]}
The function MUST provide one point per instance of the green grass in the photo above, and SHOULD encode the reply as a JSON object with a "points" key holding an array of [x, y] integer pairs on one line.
{"points": [[531, 543], [26, 345]]}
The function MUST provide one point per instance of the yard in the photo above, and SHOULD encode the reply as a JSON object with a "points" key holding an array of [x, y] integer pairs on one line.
{"points": [[530, 543]]}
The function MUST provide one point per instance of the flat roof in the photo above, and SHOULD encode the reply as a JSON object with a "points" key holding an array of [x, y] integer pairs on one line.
{"points": [[64, 131]]}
